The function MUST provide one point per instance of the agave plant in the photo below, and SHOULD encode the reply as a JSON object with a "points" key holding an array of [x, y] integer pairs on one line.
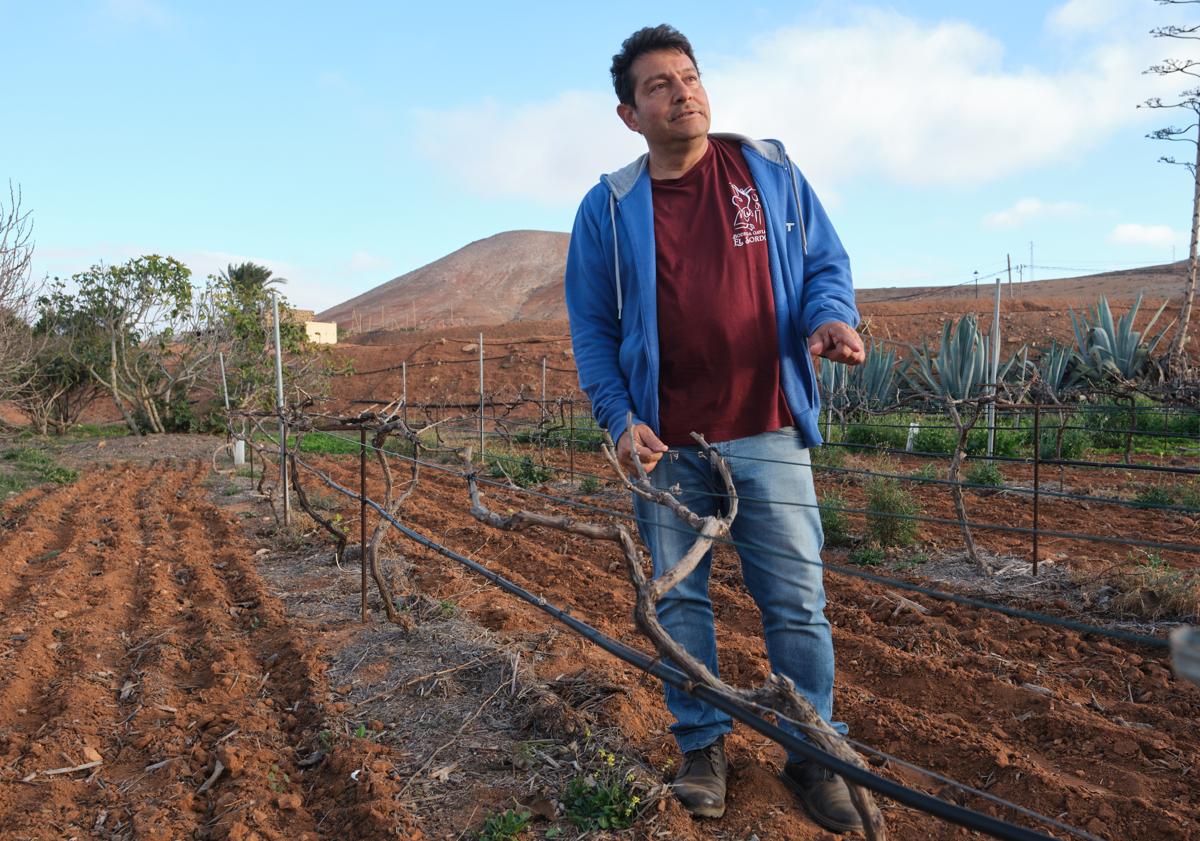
{"points": [[833, 380], [874, 386], [959, 370], [958, 377], [1114, 350], [1057, 372]]}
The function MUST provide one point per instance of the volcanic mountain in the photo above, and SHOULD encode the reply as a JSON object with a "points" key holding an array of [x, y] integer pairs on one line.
{"points": [[517, 276], [512, 276]]}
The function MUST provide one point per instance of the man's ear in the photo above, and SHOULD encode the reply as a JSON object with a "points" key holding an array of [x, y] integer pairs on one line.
{"points": [[629, 117]]}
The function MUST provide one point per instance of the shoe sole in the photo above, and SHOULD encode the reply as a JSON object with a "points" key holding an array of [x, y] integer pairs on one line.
{"points": [[706, 812], [821, 820]]}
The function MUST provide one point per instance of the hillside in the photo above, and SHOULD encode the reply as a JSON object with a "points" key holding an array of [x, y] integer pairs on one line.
{"points": [[517, 276], [512, 276]]}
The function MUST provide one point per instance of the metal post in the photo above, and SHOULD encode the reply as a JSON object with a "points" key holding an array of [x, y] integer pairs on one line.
{"points": [[362, 513], [404, 389], [542, 414], [995, 348], [1037, 461], [283, 474], [481, 451]]}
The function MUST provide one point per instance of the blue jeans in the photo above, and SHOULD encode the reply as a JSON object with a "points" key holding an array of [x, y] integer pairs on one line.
{"points": [[779, 539]]}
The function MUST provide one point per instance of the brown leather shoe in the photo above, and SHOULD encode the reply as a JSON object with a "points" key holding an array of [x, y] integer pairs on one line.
{"points": [[700, 783], [824, 795]]}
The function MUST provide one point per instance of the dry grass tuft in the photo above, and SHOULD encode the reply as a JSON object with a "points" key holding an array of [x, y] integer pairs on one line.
{"points": [[1156, 590]]}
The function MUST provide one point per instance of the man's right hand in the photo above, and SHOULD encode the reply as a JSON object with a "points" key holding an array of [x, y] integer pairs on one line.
{"points": [[649, 448]]}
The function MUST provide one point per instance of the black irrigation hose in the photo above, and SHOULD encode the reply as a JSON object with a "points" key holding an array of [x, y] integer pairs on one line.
{"points": [[668, 674], [1045, 462], [1012, 489], [924, 518], [966, 601]]}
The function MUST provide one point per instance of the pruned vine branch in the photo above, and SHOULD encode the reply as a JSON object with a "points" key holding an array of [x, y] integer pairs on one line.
{"points": [[779, 695]]}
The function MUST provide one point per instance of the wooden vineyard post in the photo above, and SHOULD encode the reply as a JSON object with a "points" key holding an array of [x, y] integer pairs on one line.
{"points": [[362, 513], [571, 439], [283, 426], [482, 453], [1037, 461]]}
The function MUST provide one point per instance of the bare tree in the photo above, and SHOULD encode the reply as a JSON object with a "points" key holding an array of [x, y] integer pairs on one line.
{"points": [[1189, 101], [17, 292]]}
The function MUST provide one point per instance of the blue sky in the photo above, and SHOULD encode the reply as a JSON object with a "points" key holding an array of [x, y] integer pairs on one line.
{"points": [[344, 146]]}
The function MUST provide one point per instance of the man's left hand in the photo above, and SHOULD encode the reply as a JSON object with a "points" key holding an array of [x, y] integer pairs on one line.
{"points": [[837, 341]]}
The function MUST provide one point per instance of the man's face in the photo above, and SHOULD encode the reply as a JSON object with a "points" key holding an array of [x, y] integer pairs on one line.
{"points": [[670, 104]]}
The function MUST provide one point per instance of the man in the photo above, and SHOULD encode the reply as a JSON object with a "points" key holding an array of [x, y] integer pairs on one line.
{"points": [[699, 280]]}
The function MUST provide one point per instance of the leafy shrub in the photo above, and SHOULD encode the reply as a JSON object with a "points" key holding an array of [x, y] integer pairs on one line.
{"points": [[884, 431], [827, 456], [926, 471], [590, 485], [1074, 443], [522, 471], [330, 443], [985, 473], [1007, 443], [835, 524], [889, 506], [934, 439]]}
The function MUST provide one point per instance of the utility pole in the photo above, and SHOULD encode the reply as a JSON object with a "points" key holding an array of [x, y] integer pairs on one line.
{"points": [[1009, 256], [977, 283], [1031, 261]]}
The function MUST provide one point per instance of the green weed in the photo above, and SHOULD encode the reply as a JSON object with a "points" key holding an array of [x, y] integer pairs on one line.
{"points": [[890, 506], [522, 471], [603, 800], [590, 485], [985, 473], [835, 524], [505, 826], [867, 556], [1155, 495], [934, 440]]}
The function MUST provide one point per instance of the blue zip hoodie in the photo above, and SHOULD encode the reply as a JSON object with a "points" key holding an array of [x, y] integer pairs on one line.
{"points": [[612, 299]]}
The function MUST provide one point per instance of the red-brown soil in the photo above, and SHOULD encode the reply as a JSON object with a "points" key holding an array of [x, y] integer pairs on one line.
{"points": [[1076, 727], [138, 641]]}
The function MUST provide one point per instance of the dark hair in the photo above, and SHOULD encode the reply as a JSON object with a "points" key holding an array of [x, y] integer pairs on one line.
{"points": [[646, 40]]}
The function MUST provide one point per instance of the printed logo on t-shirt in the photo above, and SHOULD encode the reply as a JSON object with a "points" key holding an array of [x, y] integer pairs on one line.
{"points": [[748, 219]]}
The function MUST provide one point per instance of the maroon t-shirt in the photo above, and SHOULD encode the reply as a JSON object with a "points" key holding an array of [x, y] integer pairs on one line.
{"points": [[717, 337]]}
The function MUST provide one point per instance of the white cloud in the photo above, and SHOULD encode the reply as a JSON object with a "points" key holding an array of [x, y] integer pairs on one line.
{"points": [[1152, 235], [551, 151], [1026, 210], [884, 96], [1077, 17]]}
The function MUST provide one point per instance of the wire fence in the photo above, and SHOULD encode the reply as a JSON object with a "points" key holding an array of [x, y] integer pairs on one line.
{"points": [[523, 432], [933, 805]]}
